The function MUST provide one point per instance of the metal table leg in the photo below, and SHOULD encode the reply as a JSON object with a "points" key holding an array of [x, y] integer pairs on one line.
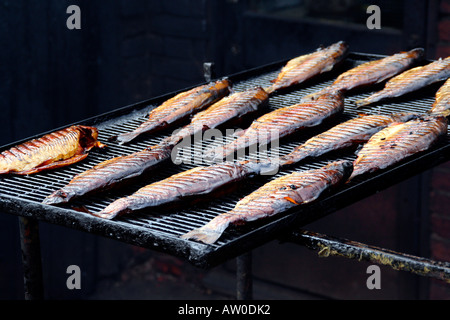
{"points": [[31, 258], [244, 277]]}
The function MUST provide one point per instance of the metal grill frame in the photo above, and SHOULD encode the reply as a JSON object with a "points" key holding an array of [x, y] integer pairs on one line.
{"points": [[240, 240]]}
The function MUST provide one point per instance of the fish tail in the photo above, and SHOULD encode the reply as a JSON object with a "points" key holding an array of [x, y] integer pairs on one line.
{"points": [[363, 102], [292, 158], [126, 137], [118, 207], [57, 197], [270, 89], [376, 97], [210, 232]]}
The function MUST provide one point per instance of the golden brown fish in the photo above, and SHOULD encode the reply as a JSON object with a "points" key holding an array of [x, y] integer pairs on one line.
{"points": [[118, 169], [180, 107], [344, 135], [397, 142], [232, 107], [276, 196], [109, 173], [53, 150], [409, 81], [197, 181], [281, 123], [372, 72], [441, 105], [309, 65]]}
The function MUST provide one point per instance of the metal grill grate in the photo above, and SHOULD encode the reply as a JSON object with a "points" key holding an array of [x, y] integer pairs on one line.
{"points": [[161, 228]]}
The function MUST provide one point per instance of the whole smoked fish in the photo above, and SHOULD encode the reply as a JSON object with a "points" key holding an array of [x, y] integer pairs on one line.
{"points": [[275, 197], [397, 142], [441, 105], [409, 81], [180, 107], [307, 66], [372, 72], [110, 172], [53, 150], [282, 122], [122, 168], [231, 107], [197, 181], [344, 135]]}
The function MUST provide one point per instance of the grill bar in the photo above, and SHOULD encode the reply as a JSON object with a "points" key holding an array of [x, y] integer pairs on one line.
{"points": [[332, 246], [160, 229]]}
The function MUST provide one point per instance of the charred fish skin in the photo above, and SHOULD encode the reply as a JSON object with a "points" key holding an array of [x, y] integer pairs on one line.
{"points": [[234, 106], [307, 66], [344, 135], [409, 81], [441, 105], [179, 107], [398, 141], [275, 197], [53, 150], [197, 181], [282, 122], [373, 72], [109, 173]]}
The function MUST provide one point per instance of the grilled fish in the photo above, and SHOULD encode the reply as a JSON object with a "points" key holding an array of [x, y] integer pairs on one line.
{"points": [[109, 173], [397, 142], [122, 168], [441, 105], [372, 72], [231, 107], [344, 135], [409, 81], [197, 181], [282, 122], [53, 150], [180, 107], [275, 197], [309, 65]]}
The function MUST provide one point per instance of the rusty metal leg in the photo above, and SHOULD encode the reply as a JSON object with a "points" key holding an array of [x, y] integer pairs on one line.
{"points": [[244, 277], [31, 258]]}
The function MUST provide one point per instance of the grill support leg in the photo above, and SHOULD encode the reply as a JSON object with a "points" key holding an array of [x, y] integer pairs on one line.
{"points": [[244, 277], [31, 258]]}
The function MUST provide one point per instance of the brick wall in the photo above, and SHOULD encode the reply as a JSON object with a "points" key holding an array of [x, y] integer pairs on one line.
{"points": [[163, 45], [440, 183]]}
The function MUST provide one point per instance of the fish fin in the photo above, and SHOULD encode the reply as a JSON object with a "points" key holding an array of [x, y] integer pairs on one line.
{"points": [[361, 103], [270, 89], [291, 200], [100, 145], [212, 231], [54, 165], [239, 133], [125, 137], [205, 235]]}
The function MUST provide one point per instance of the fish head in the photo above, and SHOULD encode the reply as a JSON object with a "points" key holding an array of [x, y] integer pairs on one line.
{"points": [[89, 137], [345, 167]]}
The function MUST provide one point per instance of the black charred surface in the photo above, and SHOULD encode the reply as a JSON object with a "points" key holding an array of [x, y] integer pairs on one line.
{"points": [[332, 246]]}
